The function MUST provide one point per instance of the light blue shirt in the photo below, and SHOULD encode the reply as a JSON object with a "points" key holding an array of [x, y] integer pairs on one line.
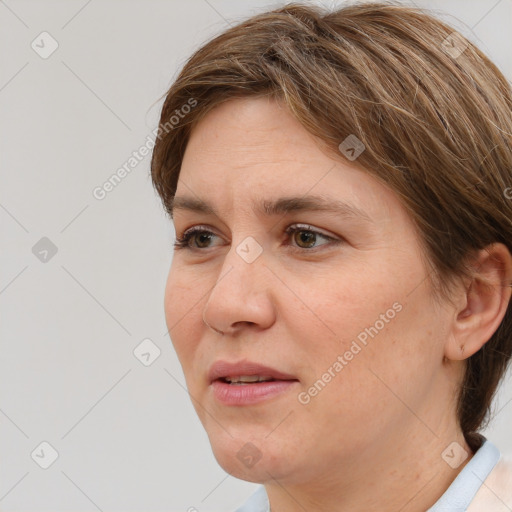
{"points": [[457, 497]]}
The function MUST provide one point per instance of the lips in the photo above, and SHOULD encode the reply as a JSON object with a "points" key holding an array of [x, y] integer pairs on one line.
{"points": [[237, 371], [246, 383]]}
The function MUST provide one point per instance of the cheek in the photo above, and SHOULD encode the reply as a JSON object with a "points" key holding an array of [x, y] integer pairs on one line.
{"points": [[366, 396], [346, 303], [378, 328], [183, 307], [175, 298]]}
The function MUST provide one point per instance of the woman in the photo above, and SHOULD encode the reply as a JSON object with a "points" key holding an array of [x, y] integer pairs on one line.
{"points": [[339, 295]]}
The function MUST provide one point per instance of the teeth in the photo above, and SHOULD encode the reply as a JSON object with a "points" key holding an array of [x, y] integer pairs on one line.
{"points": [[242, 379]]}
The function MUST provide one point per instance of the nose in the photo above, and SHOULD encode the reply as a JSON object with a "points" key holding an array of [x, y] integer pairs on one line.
{"points": [[242, 295]]}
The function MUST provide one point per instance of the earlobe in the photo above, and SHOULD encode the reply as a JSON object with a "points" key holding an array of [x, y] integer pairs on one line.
{"points": [[484, 303]]}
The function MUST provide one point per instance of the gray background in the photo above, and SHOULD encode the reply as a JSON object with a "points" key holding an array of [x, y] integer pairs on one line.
{"points": [[126, 434]]}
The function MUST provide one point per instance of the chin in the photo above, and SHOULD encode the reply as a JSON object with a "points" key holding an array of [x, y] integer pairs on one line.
{"points": [[250, 457]]}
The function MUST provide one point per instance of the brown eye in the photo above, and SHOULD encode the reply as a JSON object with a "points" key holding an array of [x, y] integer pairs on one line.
{"points": [[195, 238], [306, 237], [202, 237]]}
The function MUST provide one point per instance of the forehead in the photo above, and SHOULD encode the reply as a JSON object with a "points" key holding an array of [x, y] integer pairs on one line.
{"points": [[250, 132], [247, 151]]}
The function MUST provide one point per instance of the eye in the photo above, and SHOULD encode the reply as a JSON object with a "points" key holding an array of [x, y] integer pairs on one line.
{"points": [[196, 233], [304, 235]]}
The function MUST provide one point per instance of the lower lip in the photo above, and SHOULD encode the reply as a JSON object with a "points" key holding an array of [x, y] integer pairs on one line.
{"points": [[247, 394]]}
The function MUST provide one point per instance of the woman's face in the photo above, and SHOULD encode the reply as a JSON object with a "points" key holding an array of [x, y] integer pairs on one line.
{"points": [[342, 308]]}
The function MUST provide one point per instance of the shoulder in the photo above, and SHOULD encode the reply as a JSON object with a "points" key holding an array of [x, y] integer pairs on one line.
{"points": [[495, 494], [257, 502]]}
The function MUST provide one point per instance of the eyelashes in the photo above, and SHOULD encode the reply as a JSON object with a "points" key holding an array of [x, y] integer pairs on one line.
{"points": [[193, 233]]}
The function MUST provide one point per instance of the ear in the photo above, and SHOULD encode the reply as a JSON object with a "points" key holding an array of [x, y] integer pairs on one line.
{"points": [[482, 304]]}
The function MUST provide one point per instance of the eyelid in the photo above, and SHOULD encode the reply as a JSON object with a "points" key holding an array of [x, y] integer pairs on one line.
{"points": [[297, 225], [199, 228], [182, 242], [308, 227]]}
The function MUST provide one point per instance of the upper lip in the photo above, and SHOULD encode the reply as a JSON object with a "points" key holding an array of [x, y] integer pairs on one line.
{"points": [[222, 369]]}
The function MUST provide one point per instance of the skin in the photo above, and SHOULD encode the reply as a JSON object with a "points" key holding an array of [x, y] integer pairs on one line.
{"points": [[372, 438]]}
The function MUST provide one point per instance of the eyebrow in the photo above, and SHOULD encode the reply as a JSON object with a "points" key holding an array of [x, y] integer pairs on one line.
{"points": [[280, 206]]}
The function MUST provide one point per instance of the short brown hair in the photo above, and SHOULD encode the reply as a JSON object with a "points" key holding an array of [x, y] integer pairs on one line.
{"points": [[433, 112]]}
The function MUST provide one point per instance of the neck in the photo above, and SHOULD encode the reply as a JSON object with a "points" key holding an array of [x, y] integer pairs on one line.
{"points": [[405, 473]]}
